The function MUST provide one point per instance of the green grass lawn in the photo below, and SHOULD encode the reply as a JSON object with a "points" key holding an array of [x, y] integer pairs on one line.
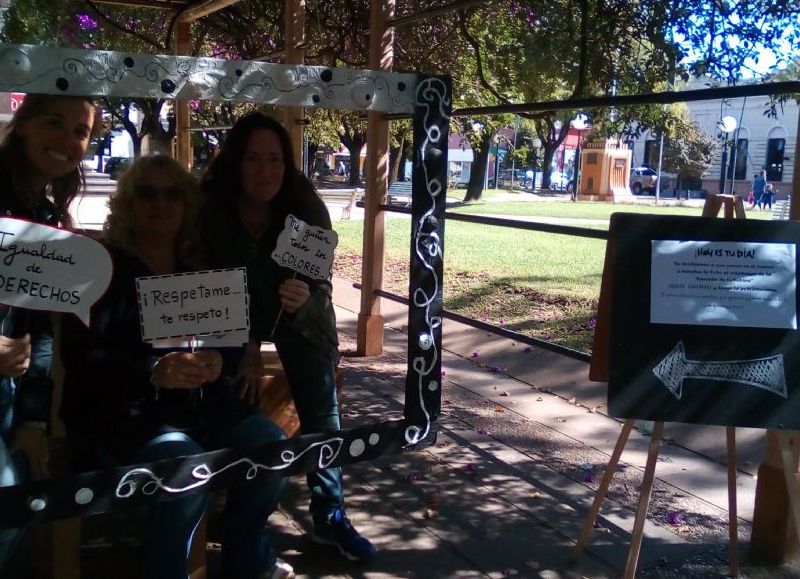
{"points": [[541, 284]]}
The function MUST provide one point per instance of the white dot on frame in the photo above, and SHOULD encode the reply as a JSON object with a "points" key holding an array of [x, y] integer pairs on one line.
{"points": [[357, 447], [84, 496], [374, 438]]}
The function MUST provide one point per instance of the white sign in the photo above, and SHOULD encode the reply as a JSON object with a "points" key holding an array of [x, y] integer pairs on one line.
{"points": [[194, 304], [723, 283], [46, 268], [305, 248]]}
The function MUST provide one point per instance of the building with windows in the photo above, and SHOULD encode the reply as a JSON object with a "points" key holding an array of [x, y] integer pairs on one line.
{"points": [[760, 141]]}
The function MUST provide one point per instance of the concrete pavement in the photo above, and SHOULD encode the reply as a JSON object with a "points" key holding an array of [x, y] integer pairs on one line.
{"points": [[524, 439]]}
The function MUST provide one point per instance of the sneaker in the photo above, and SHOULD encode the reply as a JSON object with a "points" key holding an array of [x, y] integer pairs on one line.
{"points": [[336, 530], [281, 570]]}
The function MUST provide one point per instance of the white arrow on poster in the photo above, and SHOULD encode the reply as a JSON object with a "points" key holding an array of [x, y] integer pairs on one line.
{"points": [[307, 249], [193, 304], [46, 268]]}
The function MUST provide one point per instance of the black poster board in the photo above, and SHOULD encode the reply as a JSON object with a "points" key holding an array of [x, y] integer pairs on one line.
{"points": [[723, 367]]}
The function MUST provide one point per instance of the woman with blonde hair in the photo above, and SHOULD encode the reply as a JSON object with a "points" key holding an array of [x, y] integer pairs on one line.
{"points": [[128, 401]]}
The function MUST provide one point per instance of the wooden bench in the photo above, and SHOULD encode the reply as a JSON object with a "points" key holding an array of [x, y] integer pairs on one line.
{"points": [[344, 198], [780, 209], [399, 193], [59, 546]]}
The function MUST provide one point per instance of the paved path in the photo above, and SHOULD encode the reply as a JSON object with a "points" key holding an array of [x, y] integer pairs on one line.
{"points": [[519, 456]]}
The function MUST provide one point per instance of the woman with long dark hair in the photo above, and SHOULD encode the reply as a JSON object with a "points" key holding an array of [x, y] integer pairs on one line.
{"points": [[250, 187], [127, 401], [40, 174]]}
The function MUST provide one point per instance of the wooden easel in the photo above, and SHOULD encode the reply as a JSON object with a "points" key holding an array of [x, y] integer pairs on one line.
{"points": [[733, 209]]}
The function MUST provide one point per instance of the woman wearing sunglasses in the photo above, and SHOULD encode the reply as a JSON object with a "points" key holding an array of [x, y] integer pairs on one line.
{"points": [[126, 401]]}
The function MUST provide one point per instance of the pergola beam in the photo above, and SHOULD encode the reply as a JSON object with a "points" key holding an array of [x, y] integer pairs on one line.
{"points": [[204, 8], [432, 12], [163, 4], [191, 9]]}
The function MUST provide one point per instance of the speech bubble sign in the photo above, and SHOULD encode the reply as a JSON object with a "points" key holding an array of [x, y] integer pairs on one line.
{"points": [[307, 249], [197, 303], [51, 269]]}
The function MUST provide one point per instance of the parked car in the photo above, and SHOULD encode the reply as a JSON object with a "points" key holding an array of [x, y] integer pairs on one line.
{"points": [[115, 165], [560, 181], [644, 180]]}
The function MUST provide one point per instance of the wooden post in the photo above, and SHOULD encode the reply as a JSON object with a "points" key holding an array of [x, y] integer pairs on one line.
{"points": [[183, 153], [774, 538], [600, 495], [381, 57], [644, 501], [294, 53], [733, 518]]}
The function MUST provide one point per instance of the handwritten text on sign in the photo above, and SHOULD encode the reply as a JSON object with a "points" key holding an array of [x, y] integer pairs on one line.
{"points": [[717, 283], [305, 248], [185, 305], [46, 268]]}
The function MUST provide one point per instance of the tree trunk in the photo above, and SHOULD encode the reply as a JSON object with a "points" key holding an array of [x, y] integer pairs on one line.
{"points": [[311, 155], [480, 164], [547, 164], [355, 160], [397, 155]]}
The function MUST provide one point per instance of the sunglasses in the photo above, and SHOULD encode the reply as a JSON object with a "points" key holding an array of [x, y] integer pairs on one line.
{"points": [[148, 193]]}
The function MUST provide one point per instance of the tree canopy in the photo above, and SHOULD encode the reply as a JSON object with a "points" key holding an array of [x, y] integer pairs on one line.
{"points": [[499, 52]]}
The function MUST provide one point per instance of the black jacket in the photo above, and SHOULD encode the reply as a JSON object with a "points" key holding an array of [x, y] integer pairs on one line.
{"points": [[107, 367]]}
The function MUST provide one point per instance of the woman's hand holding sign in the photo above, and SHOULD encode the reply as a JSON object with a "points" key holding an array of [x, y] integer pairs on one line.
{"points": [[250, 373], [15, 355], [294, 293], [187, 369]]}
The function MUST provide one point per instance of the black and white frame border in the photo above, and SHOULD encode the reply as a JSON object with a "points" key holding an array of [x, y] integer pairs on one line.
{"points": [[37, 69]]}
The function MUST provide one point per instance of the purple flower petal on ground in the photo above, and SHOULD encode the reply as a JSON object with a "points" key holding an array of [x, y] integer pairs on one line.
{"points": [[475, 354], [675, 518], [471, 468], [502, 322], [528, 349], [413, 476], [442, 373], [588, 477], [592, 323], [482, 431]]}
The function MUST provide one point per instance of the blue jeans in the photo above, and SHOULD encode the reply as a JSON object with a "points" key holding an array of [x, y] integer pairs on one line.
{"points": [[310, 372], [246, 550]]}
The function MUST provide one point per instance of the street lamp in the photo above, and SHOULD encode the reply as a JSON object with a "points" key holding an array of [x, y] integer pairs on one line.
{"points": [[514, 151], [579, 123], [535, 144], [496, 140], [726, 125]]}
